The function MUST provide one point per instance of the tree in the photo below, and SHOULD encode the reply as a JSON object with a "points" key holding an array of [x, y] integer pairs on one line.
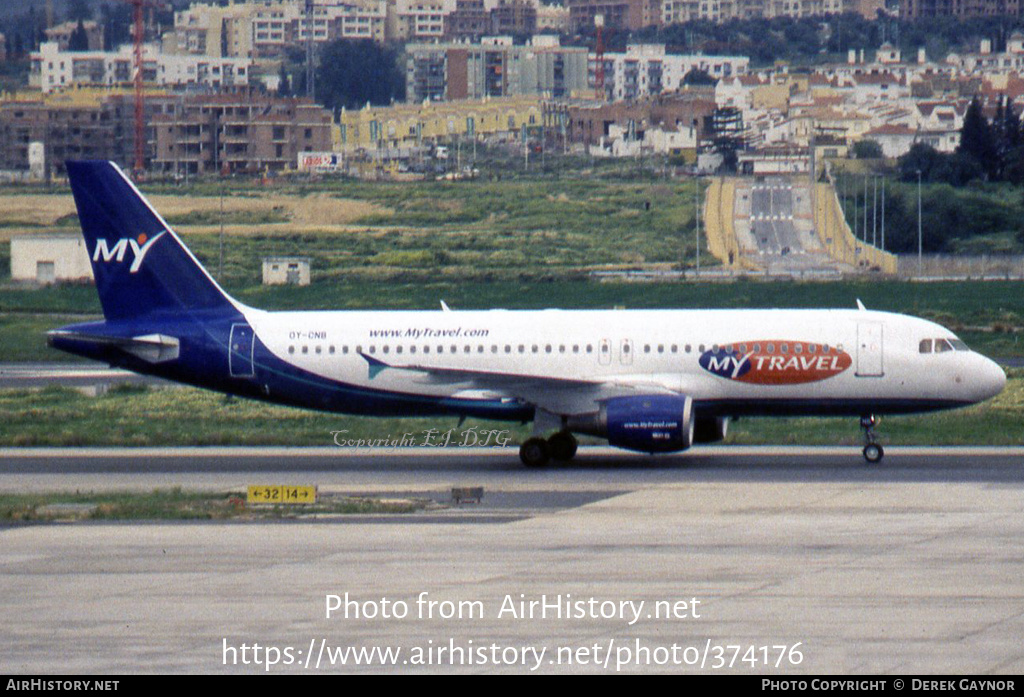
{"points": [[284, 85], [352, 73], [79, 39], [977, 141], [867, 150], [79, 10], [699, 77]]}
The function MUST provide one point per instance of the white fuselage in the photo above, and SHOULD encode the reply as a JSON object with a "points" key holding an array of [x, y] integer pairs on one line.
{"points": [[620, 351]]}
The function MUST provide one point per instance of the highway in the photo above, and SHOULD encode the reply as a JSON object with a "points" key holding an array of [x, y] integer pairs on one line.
{"points": [[911, 566]]}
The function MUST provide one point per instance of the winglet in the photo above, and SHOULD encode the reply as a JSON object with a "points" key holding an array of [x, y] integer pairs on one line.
{"points": [[860, 305], [375, 365], [444, 307]]}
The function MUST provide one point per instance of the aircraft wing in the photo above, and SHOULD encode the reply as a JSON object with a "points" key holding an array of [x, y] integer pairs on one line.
{"points": [[558, 395]]}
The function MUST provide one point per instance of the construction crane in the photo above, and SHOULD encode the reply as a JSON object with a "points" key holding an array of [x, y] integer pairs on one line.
{"points": [[138, 39]]}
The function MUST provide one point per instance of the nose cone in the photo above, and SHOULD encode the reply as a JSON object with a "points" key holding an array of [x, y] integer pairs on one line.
{"points": [[990, 379]]}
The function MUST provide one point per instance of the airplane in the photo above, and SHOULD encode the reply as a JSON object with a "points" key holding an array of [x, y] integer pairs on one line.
{"points": [[652, 381]]}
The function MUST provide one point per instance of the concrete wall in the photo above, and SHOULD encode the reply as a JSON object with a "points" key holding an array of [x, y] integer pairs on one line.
{"points": [[30, 255], [838, 239]]}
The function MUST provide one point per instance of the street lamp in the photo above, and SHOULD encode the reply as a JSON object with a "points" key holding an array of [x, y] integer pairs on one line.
{"points": [[919, 221]]}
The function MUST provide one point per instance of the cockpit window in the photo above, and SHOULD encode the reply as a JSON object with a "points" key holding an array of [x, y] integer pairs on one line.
{"points": [[926, 346], [959, 345], [942, 345]]}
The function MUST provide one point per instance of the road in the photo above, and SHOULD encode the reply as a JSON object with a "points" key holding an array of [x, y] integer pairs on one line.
{"points": [[913, 566]]}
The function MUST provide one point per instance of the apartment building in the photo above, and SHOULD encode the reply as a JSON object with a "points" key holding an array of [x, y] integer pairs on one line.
{"points": [[242, 132], [495, 67], [77, 124], [647, 69], [54, 69], [408, 125], [268, 28], [677, 11]]}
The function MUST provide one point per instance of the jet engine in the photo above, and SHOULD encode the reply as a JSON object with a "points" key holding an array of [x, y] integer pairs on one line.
{"points": [[647, 423]]}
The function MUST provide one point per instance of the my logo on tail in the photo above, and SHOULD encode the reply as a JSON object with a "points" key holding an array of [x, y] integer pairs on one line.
{"points": [[139, 246]]}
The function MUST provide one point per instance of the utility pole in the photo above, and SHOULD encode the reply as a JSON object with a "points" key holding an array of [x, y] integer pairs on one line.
{"points": [[883, 214], [874, 212], [919, 237], [865, 228], [696, 219]]}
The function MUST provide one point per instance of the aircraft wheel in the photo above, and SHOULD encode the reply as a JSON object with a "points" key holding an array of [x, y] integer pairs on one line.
{"points": [[534, 452], [873, 452], [562, 446]]}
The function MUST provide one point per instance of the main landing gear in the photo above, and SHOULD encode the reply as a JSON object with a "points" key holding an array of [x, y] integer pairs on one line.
{"points": [[536, 451], [873, 451]]}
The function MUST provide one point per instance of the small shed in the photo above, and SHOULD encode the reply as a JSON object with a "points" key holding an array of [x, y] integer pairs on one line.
{"points": [[42, 258], [286, 271]]}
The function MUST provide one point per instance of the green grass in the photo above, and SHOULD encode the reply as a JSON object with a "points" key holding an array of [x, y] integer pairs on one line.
{"points": [[186, 416]]}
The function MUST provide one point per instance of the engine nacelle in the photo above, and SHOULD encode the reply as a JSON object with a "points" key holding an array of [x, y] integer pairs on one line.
{"points": [[711, 429], [648, 423]]}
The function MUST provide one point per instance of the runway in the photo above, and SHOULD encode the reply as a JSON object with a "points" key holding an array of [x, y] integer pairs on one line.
{"points": [[910, 566]]}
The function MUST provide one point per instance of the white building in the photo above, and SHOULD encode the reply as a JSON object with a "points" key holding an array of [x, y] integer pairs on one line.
{"points": [[49, 258], [268, 28], [621, 141], [646, 69], [53, 69], [286, 271]]}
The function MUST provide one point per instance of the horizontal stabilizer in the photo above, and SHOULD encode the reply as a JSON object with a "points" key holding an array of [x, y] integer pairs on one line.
{"points": [[152, 348]]}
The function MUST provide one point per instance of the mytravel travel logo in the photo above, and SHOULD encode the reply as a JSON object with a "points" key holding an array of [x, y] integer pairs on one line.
{"points": [[775, 362], [139, 246]]}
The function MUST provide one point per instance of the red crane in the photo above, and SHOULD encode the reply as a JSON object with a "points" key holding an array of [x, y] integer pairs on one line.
{"points": [[138, 38]]}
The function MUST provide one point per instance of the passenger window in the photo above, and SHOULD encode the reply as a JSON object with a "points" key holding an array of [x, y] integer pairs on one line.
{"points": [[925, 346]]}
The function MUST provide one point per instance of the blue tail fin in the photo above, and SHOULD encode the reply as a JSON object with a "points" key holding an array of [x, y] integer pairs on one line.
{"points": [[141, 266]]}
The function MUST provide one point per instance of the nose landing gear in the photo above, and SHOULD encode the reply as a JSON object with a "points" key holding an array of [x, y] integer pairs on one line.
{"points": [[873, 451]]}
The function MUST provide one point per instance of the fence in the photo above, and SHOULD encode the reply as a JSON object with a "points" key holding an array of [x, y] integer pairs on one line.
{"points": [[941, 267]]}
